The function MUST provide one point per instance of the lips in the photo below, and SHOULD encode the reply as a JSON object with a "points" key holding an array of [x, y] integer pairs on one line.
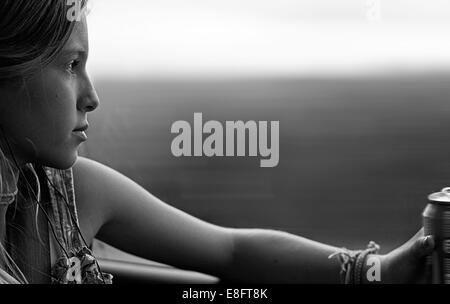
{"points": [[82, 128], [79, 132]]}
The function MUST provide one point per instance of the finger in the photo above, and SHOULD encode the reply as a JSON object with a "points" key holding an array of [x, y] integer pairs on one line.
{"points": [[423, 246], [419, 234]]}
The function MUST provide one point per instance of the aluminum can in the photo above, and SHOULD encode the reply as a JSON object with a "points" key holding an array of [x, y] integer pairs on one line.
{"points": [[436, 222]]}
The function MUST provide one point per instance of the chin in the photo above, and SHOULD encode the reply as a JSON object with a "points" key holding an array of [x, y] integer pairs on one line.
{"points": [[61, 161]]}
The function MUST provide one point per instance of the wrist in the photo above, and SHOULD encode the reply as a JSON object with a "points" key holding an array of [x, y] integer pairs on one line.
{"points": [[360, 267]]}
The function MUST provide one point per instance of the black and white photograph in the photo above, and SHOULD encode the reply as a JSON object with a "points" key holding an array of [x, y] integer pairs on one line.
{"points": [[209, 144]]}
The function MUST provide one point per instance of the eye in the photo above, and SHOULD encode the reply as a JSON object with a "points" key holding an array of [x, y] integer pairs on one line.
{"points": [[72, 65]]}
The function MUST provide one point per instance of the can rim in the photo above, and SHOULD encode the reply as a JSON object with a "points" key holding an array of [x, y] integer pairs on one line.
{"points": [[442, 197]]}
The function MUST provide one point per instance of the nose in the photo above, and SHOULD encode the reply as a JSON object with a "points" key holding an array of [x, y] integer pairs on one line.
{"points": [[88, 100]]}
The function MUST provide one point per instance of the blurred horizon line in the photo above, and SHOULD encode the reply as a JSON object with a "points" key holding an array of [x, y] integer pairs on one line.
{"points": [[366, 74]]}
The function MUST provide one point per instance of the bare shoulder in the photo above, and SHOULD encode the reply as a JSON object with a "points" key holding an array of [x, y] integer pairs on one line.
{"points": [[85, 167], [93, 184], [118, 211], [96, 183], [90, 178], [100, 193]]}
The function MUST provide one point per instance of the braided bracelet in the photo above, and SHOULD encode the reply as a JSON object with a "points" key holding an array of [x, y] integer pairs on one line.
{"points": [[352, 262]]}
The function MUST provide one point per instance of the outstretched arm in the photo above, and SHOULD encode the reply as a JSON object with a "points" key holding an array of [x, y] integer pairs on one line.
{"points": [[132, 219], [267, 256]]}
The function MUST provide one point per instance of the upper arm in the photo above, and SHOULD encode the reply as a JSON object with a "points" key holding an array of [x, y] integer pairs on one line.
{"points": [[132, 219]]}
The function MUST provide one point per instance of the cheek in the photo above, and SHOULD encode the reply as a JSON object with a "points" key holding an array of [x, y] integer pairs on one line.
{"points": [[45, 113], [54, 107], [39, 119]]}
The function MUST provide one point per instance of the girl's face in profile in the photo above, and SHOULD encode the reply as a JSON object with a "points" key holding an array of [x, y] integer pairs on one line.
{"points": [[40, 114]]}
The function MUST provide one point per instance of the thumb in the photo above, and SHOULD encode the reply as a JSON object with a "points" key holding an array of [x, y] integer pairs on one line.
{"points": [[423, 246]]}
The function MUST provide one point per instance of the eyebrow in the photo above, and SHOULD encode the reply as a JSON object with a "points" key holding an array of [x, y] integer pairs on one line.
{"points": [[81, 52]]}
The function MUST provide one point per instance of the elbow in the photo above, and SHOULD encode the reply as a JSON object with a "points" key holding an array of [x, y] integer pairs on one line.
{"points": [[239, 257]]}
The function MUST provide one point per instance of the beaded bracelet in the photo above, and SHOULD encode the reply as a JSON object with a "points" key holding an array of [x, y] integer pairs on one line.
{"points": [[352, 262]]}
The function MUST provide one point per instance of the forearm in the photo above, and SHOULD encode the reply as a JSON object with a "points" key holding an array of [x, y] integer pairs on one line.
{"points": [[268, 256]]}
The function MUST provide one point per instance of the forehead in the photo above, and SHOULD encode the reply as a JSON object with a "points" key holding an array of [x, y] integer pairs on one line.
{"points": [[78, 40]]}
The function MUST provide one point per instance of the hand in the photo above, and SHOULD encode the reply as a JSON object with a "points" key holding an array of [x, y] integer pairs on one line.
{"points": [[407, 263]]}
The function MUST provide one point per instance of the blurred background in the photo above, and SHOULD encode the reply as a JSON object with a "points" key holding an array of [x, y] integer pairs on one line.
{"points": [[361, 90]]}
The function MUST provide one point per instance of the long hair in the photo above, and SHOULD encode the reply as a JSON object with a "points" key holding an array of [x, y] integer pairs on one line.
{"points": [[32, 33]]}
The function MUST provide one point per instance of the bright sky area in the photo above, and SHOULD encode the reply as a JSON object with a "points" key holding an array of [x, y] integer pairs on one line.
{"points": [[266, 37]]}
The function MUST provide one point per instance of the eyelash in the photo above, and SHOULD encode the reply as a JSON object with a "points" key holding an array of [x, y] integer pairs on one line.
{"points": [[72, 64]]}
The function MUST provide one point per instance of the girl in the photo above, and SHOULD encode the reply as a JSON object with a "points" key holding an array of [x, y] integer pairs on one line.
{"points": [[45, 234]]}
